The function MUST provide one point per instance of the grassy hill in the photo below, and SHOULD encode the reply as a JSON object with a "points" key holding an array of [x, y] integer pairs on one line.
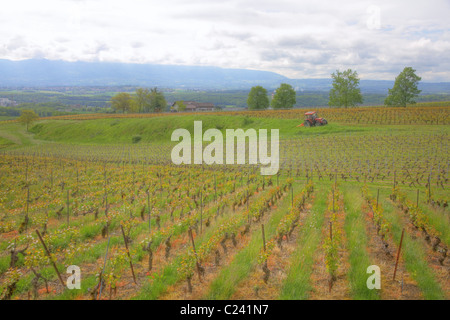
{"points": [[159, 129]]}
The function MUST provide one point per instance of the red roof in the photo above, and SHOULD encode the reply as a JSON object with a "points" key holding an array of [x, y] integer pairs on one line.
{"points": [[309, 112]]}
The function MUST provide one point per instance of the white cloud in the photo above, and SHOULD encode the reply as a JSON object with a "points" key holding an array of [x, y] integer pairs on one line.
{"points": [[299, 39]]}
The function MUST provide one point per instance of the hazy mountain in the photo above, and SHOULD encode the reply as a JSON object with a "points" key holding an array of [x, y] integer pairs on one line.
{"points": [[39, 73], [63, 73]]}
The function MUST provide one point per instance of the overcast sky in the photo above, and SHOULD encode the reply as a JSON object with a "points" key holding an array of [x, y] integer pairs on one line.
{"points": [[298, 39]]}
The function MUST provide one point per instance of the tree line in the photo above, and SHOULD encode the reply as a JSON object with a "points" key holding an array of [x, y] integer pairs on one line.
{"points": [[345, 92], [142, 101]]}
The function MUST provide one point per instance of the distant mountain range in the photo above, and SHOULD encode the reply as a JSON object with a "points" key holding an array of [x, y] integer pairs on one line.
{"points": [[41, 73]]}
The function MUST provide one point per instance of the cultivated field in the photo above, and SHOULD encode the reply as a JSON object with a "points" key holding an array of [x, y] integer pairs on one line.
{"points": [[83, 190]]}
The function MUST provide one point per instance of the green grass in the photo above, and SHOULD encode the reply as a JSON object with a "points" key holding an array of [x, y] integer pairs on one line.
{"points": [[413, 252], [4, 143], [357, 243], [159, 129], [297, 284], [245, 261], [6, 118], [154, 288], [16, 134], [437, 217]]}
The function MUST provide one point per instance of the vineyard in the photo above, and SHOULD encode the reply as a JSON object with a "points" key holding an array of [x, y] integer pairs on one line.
{"points": [[140, 227], [420, 115]]}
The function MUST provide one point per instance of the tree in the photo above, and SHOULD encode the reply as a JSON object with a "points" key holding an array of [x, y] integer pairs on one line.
{"points": [[404, 90], [27, 117], [257, 98], [284, 97], [345, 91], [122, 101], [157, 101], [142, 100], [181, 105]]}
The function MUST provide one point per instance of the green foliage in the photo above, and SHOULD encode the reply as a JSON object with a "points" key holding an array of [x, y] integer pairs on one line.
{"points": [[142, 100], [257, 98], [158, 102], [405, 89], [27, 117], [122, 102], [330, 247], [181, 105], [345, 91], [284, 97], [136, 138], [80, 100]]}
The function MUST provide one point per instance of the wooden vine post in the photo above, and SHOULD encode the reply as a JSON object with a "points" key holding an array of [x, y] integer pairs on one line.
{"points": [[417, 201], [26, 173], [28, 202], [292, 195], [335, 178], [128, 253], [195, 253], [263, 236], [248, 212], [215, 188], [331, 231], [149, 211], [68, 208], [189, 183], [398, 253], [100, 284], [50, 258], [333, 196], [378, 196], [106, 198], [394, 179], [201, 211], [160, 185], [264, 267]]}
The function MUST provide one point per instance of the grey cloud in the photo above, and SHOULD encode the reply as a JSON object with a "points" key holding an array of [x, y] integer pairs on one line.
{"points": [[235, 16], [16, 43], [96, 49], [137, 44], [305, 57], [38, 54], [295, 38], [237, 35], [62, 39], [302, 41]]}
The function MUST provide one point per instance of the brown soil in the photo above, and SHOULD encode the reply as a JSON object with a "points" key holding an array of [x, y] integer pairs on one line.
{"points": [[403, 287], [278, 263], [179, 291], [442, 272]]}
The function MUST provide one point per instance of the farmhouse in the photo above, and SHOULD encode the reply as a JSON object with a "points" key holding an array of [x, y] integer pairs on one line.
{"points": [[192, 106]]}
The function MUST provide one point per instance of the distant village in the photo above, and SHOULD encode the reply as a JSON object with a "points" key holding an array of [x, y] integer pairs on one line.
{"points": [[5, 102]]}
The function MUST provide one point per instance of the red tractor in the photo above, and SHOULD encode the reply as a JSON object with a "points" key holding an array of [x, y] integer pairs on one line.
{"points": [[311, 120]]}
